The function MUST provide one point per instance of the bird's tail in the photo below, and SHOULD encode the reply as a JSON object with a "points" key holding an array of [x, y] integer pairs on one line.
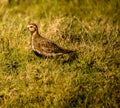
{"points": [[65, 51]]}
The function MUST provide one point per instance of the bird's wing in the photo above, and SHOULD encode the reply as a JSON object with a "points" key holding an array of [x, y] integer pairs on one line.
{"points": [[49, 47]]}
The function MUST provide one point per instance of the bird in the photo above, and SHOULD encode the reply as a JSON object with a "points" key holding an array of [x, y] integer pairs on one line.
{"points": [[42, 46]]}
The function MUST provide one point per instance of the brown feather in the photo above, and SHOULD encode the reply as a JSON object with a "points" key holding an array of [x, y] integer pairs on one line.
{"points": [[44, 46]]}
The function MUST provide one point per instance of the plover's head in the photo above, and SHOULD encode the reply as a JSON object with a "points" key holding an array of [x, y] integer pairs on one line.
{"points": [[32, 28]]}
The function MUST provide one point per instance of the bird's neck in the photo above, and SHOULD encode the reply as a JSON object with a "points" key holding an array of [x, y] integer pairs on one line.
{"points": [[35, 33]]}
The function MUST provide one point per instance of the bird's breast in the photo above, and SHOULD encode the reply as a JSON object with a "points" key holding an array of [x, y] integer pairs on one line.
{"points": [[33, 43]]}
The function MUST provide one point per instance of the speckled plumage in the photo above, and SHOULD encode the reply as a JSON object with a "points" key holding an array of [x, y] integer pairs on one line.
{"points": [[42, 45]]}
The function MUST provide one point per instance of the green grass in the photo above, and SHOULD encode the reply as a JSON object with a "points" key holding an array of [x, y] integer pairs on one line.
{"points": [[89, 80]]}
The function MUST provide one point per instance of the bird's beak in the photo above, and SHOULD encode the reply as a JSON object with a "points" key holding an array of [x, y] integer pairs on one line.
{"points": [[25, 29]]}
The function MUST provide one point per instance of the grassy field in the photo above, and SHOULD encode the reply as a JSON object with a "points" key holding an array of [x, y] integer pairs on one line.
{"points": [[91, 79]]}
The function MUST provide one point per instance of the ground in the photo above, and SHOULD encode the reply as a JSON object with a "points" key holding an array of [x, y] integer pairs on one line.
{"points": [[89, 78]]}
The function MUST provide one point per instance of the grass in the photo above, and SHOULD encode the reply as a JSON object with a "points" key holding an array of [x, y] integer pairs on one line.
{"points": [[92, 79]]}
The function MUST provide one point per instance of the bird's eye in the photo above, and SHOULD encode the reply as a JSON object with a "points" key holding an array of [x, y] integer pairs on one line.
{"points": [[30, 26]]}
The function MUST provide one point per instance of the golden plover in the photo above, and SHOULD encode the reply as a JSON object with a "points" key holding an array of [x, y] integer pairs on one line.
{"points": [[43, 46]]}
